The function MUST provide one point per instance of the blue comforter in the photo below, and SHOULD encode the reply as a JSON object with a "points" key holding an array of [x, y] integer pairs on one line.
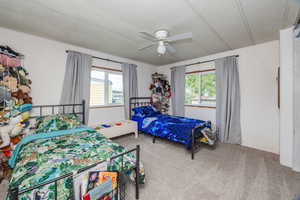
{"points": [[178, 129]]}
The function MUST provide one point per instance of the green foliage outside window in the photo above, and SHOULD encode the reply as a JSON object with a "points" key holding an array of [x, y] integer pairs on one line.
{"points": [[200, 88]]}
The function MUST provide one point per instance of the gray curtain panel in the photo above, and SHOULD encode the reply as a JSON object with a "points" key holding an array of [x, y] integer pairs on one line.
{"points": [[178, 90], [130, 86], [228, 100], [77, 80]]}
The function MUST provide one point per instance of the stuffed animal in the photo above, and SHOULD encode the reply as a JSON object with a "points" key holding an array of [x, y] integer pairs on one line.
{"points": [[4, 94], [10, 82], [3, 117], [24, 88], [13, 128], [21, 97], [2, 68], [168, 94], [22, 71], [5, 138], [27, 99], [18, 94], [29, 127], [152, 86]]}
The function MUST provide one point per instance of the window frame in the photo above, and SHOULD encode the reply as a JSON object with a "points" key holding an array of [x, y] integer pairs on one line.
{"points": [[202, 105], [107, 71]]}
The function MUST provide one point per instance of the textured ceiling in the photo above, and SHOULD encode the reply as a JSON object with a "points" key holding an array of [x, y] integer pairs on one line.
{"points": [[112, 26]]}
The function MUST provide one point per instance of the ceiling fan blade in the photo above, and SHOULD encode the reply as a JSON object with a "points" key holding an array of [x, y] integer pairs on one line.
{"points": [[146, 47], [170, 48], [148, 36], [180, 37]]}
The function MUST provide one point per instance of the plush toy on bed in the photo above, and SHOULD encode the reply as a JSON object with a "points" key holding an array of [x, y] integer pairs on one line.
{"points": [[16, 125], [13, 128]]}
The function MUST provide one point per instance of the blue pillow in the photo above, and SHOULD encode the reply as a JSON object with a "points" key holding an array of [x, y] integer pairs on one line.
{"points": [[144, 111]]}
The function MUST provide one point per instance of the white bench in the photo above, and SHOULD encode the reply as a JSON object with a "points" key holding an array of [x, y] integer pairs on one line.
{"points": [[125, 128]]}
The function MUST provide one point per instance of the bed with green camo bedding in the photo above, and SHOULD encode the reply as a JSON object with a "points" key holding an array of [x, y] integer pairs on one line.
{"points": [[46, 156]]}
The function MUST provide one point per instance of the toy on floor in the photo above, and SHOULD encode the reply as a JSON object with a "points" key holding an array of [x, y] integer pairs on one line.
{"points": [[105, 125], [118, 123], [209, 136]]}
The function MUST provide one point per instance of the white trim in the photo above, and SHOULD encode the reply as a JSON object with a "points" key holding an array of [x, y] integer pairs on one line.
{"points": [[106, 106]]}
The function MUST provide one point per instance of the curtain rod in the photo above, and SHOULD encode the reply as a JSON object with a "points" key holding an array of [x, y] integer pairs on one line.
{"points": [[197, 63], [106, 59]]}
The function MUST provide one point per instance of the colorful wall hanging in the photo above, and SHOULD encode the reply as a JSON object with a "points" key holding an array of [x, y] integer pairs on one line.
{"points": [[161, 92]]}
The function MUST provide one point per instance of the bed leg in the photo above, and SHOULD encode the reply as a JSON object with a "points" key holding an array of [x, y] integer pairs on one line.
{"points": [[192, 153], [153, 140], [14, 193], [193, 144], [137, 172]]}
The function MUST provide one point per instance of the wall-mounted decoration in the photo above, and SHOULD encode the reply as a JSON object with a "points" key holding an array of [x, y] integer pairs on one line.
{"points": [[15, 100], [161, 92]]}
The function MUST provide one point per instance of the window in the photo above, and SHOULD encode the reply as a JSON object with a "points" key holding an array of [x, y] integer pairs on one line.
{"points": [[200, 88], [106, 87]]}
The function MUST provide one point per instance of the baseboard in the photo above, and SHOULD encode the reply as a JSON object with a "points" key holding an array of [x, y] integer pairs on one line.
{"points": [[260, 148]]}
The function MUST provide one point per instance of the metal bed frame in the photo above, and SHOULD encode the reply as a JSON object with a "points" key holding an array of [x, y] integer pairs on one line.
{"points": [[62, 108], [15, 192], [146, 101]]}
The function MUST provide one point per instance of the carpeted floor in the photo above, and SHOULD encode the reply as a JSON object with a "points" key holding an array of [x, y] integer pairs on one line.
{"points": [[230, 172]]}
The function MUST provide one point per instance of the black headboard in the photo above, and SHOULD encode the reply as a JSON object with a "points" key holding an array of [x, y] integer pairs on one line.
{"points": [[45, 110], [137, 102]]}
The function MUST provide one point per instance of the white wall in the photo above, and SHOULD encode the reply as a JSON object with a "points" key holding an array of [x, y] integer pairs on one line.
{"points": [[45, 60], [286, 96], [296, 140], [259, 113]]}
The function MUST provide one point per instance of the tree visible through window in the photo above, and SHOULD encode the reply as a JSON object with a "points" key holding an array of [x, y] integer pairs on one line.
{"points": [[106, 88], [200, 88]]}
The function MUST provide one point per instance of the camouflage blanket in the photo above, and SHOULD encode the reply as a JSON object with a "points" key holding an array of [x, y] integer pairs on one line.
{"points": [[44, 159]]}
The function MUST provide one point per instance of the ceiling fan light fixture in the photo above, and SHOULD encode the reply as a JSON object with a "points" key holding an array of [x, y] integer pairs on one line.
{"points": [[164, 41], [161, 49], [161, 34]]}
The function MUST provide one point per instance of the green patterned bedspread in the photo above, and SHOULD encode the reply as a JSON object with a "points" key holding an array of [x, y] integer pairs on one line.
{"points": [[45, 159]]}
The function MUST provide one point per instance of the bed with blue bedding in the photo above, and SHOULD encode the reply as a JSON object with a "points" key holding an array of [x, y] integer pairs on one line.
{"points": [[178, 129], [184, 130]]}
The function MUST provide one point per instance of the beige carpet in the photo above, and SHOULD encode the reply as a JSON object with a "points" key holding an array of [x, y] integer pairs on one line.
{"points": [[230, 172]]}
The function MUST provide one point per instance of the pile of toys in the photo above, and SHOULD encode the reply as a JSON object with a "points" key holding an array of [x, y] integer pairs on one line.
{"points": [[209, 135], [161, 92], [108, 125], [15, 101]]}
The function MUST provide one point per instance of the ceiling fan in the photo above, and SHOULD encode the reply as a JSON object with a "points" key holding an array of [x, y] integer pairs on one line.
{"points": [[163, 41]]}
